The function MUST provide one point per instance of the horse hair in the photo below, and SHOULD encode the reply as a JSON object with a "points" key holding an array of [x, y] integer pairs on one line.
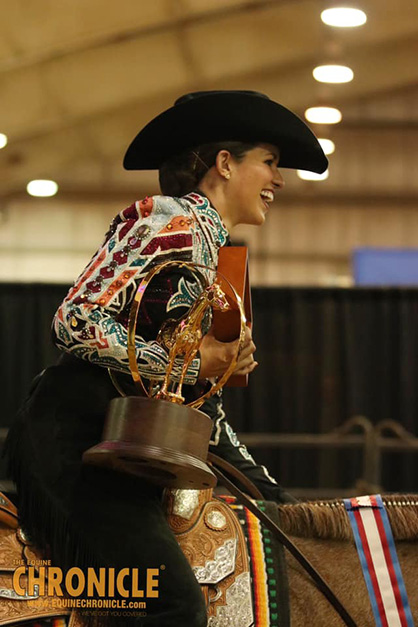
{"points": [[329, 520]]}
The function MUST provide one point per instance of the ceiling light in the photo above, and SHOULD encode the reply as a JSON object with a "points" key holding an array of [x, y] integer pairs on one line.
{"points": [[42, 187], [323, 115], [333, 74], [312, 176], [3, 140], [343, 17], [327, 145]]}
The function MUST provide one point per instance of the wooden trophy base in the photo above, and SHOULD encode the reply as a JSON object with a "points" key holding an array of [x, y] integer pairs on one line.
{"points": [[164, 443]]}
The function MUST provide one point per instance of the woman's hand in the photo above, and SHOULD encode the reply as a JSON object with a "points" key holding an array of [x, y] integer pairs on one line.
{"points": [[216, 356]]}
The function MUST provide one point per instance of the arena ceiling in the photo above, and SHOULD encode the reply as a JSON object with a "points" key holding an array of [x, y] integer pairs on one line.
{"points": [[79, 78]]}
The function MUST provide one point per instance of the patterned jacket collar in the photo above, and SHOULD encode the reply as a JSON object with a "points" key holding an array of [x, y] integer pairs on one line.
{"points": [[201, 205]]}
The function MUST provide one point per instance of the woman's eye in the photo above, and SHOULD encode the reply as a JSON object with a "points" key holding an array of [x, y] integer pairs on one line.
{"points": [[269, 161]]}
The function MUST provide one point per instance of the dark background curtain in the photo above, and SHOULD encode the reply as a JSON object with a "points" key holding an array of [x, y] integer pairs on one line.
{"points": [[325, 355]]}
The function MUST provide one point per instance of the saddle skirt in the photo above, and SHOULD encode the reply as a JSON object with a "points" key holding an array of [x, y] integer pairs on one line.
{"points": [[239, 564], [213, 542], [16, 550]]}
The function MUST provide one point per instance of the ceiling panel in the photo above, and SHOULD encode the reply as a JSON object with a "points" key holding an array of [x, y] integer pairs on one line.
{"points": [[43, 29], [78, 79]]}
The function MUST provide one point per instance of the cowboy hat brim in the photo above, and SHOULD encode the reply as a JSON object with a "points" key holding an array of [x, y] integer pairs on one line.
{"points": [[207, 117]]}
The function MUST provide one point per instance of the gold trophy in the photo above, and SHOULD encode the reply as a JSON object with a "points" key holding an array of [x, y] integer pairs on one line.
{"points": [[155, 435]]}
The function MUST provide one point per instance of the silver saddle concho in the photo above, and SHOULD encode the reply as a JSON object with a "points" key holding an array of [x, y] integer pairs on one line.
{"points": [[213, 542]]}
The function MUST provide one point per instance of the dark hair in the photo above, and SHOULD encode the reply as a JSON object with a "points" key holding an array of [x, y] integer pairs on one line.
{"points": [[182, 173]]}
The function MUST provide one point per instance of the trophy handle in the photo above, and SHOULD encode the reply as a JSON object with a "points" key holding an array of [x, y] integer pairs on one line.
{"points": [[133, 316]]}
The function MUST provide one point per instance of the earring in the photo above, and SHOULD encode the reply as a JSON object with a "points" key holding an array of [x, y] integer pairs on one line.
{"points": [[227, 175]]}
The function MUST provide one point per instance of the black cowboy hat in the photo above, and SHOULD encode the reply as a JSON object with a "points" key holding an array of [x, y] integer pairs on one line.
{"points": [[210, 116]]}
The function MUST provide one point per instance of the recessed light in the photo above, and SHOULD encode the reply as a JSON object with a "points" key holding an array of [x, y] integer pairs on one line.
{"points": [[333, 74], [323, 115], [42, 188], [327, 145], [344, 17], [312, 176]]}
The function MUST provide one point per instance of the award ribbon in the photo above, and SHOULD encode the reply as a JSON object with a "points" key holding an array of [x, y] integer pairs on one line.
{"points": [[379, 561]]}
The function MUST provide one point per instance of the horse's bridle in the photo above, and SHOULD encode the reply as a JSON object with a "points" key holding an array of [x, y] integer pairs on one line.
{"points": [[217, 463]]}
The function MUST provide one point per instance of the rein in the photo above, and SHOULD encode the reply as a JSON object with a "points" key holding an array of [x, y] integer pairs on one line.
{"points": [[281, 536]]}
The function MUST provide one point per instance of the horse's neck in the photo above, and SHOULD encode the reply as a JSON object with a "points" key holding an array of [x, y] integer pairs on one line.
{"points": [[198, 309]]}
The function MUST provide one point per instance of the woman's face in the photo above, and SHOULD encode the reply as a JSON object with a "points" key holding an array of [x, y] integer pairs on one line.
{"points": [[252, 184]]}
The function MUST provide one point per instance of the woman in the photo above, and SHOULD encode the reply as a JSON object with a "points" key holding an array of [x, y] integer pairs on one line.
{"points": [[217, 153]]}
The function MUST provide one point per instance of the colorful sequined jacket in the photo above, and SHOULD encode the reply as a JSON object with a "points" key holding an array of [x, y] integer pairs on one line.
{"points": [[92, 321]]}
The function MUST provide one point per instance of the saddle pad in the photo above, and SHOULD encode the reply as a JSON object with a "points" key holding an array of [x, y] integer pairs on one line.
{"points": [[267, 566]]}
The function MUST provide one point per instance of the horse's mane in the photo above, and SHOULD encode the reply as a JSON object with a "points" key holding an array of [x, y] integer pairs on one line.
{"points": [[329, 519]]}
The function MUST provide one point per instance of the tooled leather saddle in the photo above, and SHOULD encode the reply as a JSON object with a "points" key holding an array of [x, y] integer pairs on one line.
{"points": [[15, 550], [211, 537]]}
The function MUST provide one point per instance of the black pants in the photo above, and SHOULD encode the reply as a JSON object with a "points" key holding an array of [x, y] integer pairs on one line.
{"points": [[89, 517], [123, 524]]}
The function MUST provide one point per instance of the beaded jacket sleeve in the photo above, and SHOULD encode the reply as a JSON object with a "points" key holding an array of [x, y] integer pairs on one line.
{"points": [[91, 322]]}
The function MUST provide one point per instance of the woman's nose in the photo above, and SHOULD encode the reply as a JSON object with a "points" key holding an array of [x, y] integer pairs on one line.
{"points": [[278, 179]]}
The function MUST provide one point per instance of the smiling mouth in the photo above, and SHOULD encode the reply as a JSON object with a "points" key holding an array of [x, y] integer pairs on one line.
{"points": [[267, 196]]}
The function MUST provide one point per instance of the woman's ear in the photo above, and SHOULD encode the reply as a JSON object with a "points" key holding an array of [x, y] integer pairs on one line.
{"points": [[223, 163]]}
